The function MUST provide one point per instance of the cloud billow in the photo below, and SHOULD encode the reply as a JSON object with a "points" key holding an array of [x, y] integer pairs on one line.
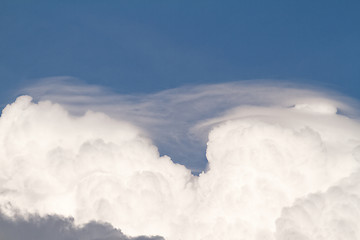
{"points": [[271, 150]]}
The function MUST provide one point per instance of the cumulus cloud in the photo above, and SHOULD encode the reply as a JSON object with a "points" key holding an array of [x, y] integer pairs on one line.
{"points": [[84, 166], [277, 157], [332, 214]]}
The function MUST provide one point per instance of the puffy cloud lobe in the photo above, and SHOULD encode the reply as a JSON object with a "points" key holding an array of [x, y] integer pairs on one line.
{"points": [[261, 159], [258, 167], [333, 214], [89, 167]]}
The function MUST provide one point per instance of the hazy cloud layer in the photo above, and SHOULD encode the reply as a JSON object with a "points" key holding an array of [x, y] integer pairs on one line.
{"points": [[278, 158], [171, 118]]}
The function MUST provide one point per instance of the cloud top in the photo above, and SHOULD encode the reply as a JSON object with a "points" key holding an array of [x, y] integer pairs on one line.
{"points": [[171, 118]]}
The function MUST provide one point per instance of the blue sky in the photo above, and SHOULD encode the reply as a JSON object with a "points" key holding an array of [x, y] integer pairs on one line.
{"points": [[148, 46]]}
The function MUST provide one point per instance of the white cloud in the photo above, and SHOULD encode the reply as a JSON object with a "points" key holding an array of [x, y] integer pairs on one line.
{"points": [[331, 214], [172, 118], [54, 163], [267, 147]]}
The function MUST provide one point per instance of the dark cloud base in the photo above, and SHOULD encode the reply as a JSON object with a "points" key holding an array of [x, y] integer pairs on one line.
{"points": [[56, 227]]}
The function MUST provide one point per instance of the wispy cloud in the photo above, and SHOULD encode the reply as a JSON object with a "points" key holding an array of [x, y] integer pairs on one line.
{"points": [[175, 119]]}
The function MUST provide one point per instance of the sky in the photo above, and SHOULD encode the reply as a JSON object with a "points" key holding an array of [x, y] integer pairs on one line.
{"points": [[148, 46], [179, 119]]}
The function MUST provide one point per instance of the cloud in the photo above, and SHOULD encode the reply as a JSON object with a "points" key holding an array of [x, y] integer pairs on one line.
{"points": [[332, 214], [171, 118], [269, 149], [55, 163], [59, 228]]}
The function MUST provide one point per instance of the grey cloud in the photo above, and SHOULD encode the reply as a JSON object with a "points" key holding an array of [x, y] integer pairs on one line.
{"points": [[59, 228]]}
